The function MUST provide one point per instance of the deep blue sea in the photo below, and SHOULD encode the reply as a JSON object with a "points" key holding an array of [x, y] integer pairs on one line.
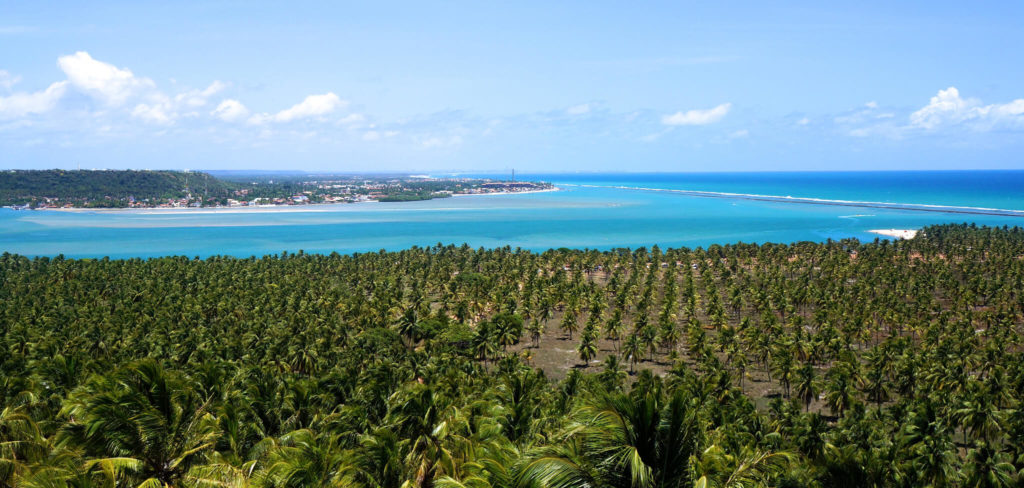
{"points": [[599, 211]]}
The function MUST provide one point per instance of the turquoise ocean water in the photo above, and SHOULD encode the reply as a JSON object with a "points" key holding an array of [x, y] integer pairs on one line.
{"points": [[599, 211]]}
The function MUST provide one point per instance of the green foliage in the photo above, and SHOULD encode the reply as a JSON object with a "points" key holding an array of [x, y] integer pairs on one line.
{"points": [[891, 364], [106, 188]]}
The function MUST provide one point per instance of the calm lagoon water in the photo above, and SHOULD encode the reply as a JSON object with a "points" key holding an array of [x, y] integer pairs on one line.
{"points": [[591, 211]]}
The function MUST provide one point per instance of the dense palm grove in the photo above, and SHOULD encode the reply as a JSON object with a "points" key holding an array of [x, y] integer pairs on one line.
{"points": [[896, 364]]}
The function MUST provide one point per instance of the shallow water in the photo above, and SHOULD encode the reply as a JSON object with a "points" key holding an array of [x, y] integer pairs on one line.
{"points": [[600, 215]]}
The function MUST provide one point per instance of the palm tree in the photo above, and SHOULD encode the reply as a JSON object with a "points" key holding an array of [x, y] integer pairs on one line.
{"points": [[638, 441], [378, 461], [508, 328], [649, 339], [21, 445], [570, 323], [750, 467], [614, 328], [988, 468], [613, 375], [564, 465], [783, 368], [876, 385], [521, 394], [418, 413], [926, 441], [587, 348], [305, 459], [840, 393], [981, 417], [140, 423], [536, 329], [485, 343], [632, 350], [806, 385]]}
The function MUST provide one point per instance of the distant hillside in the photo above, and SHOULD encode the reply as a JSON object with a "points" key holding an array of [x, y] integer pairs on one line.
{"points": [[107, 188]]}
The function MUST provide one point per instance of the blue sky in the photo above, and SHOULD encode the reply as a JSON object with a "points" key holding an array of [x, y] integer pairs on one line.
{"points": [[539, 86]]}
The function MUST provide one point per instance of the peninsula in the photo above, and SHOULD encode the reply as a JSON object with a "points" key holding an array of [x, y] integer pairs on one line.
{"points": [[60, 189]]}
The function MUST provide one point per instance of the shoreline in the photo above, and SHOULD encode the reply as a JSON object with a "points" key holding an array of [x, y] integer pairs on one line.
{"points": [[311, 207], [897, 233], [506, 193]]}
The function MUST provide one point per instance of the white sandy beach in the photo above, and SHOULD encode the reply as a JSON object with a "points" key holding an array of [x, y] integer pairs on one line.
{"points": [[317, 207], [505, 193], [897, 233]]}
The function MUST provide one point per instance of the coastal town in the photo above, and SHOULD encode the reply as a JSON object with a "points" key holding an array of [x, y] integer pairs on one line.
{"points": [[169, 189], [343, 191]]}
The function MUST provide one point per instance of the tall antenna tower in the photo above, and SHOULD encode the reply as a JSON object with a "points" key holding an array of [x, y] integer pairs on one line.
{"points": [[513, 175]]}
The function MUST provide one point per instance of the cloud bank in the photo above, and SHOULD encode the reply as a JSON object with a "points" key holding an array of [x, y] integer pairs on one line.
{"points": [[97, 102], [948, 108], [697, 117], [112, 90]]}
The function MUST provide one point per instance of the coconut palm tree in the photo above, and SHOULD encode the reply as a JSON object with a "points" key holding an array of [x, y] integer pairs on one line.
{"points": [[806, 385], [750, 467], [640, 440], [784, 369], [587, 348], [306, 459], [633, 350], [612, 374], [21, 445], [141, 424], [986, 467]]}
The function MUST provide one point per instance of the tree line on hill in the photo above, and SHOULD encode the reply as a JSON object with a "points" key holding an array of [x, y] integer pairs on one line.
{"points": [[837, 364], [105, 188], [127, 188]]}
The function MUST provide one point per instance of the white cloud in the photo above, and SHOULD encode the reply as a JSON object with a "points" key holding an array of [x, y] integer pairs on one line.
{"points": [[7, 80], [230, 111], [803, 121], [161, 109], [739, 134], [115, 95], [259, 119], [110, 84], [352, 120], [198, 98], [859, 116], [116, 87], [1012, 109], [697, 116], [312, 106], [21, 104], [578, 109], [949, 108], [945, 107], [156, 113]]}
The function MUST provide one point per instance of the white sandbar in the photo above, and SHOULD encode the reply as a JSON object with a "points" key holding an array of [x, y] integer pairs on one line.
{"points": [[897, 233]]}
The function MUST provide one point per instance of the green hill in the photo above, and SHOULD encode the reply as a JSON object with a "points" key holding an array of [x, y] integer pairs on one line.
{"points": [[106, 188]]}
